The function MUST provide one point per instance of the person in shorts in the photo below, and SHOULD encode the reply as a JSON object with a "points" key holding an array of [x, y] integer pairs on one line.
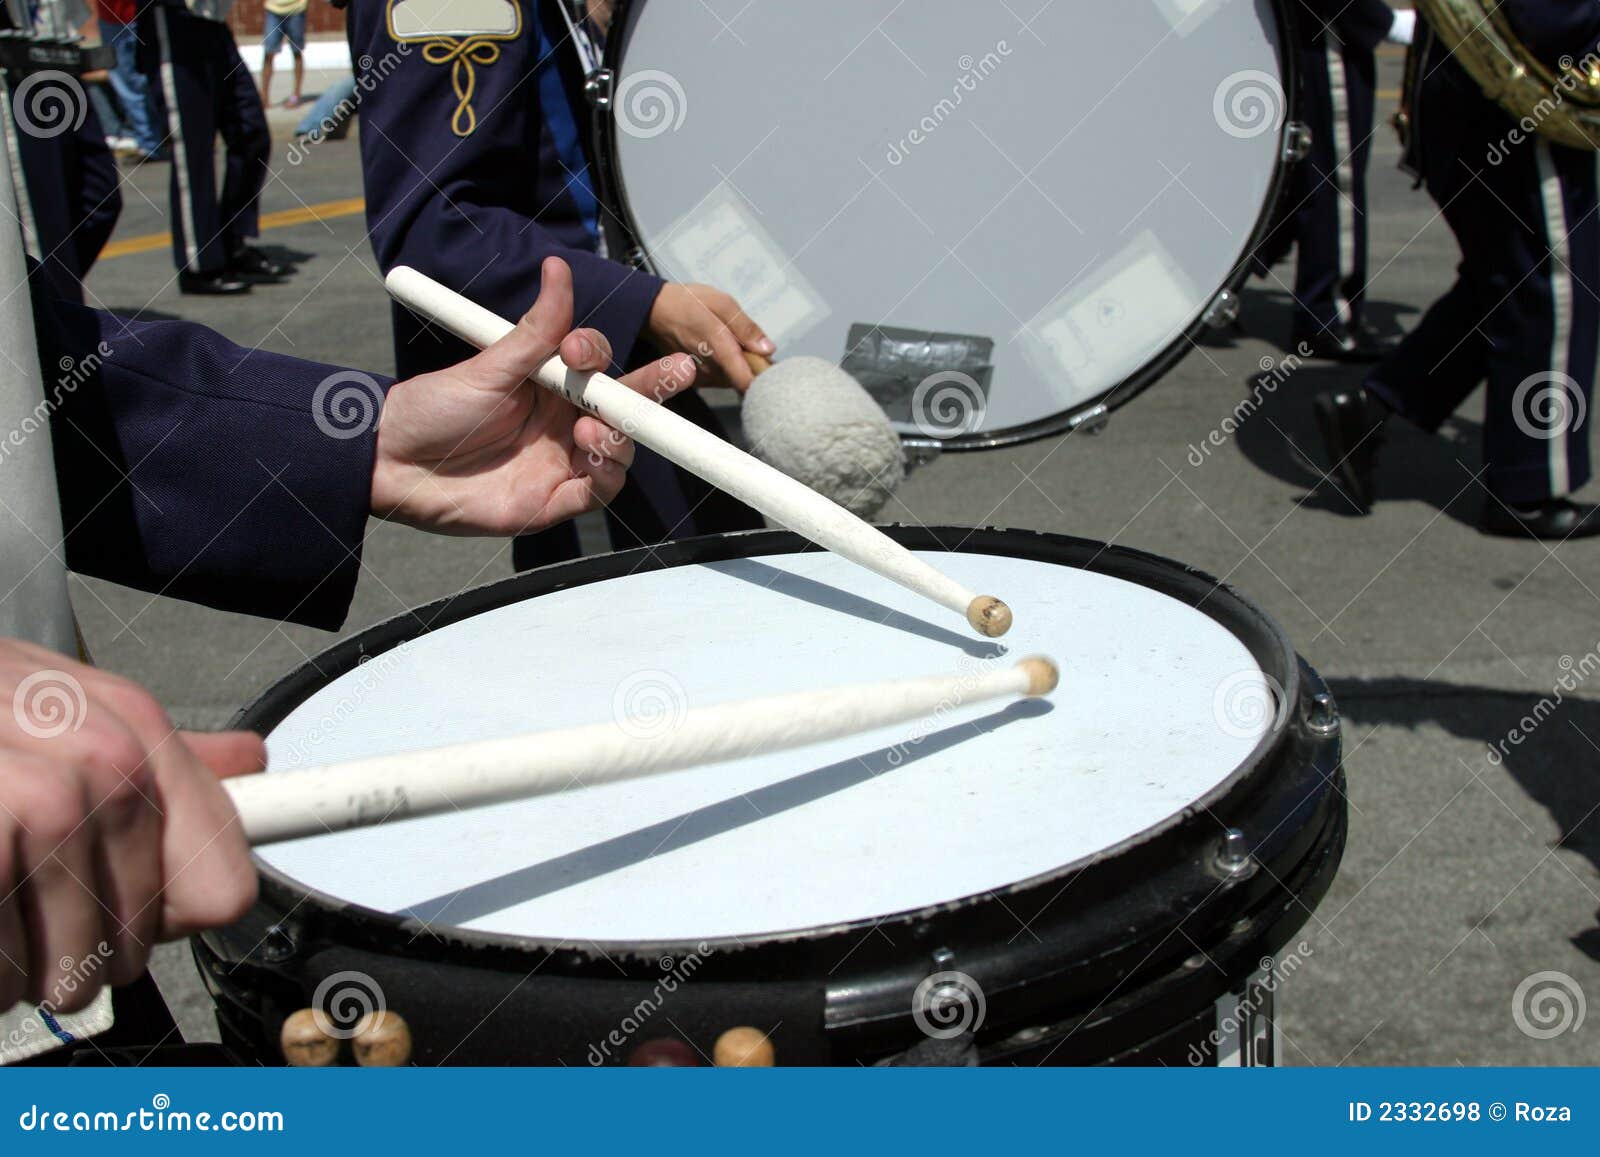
{"points": [[286, 20]]}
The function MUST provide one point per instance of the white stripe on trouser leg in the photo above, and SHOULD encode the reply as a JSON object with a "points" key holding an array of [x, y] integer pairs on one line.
{"points": [[1555, 224], [180, 147], [1344, 173], [30, 231]]}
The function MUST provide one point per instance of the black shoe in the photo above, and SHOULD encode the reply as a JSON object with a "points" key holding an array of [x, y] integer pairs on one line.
{"points": [[1351, 422], [1557, 519], [248, 261], [221, 284], [1360, 348]]}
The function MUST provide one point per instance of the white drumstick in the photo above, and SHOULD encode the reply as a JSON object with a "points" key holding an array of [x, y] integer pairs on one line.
{"points": [[773, 493], [288, 804]]}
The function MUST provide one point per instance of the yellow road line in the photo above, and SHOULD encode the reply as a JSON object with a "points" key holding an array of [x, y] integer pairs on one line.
{"points": [[326, 211]]}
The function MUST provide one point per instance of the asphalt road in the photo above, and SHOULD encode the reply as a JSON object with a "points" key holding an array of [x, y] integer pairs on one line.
{"points": [[1463, 877]]}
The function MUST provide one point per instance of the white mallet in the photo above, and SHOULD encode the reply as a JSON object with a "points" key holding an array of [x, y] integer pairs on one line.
{"points": [[310, 801], [790, 503], [812, 420]]}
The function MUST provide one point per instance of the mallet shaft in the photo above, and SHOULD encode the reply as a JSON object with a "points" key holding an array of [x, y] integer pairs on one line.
{"points": [[310, 801], [787, 502]]}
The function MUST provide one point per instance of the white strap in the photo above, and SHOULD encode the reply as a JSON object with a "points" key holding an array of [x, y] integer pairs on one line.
{"points": [[588, 55]]}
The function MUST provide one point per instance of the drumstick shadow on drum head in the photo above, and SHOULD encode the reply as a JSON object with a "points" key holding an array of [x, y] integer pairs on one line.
{"points": [[487, 897], [832, 598]]}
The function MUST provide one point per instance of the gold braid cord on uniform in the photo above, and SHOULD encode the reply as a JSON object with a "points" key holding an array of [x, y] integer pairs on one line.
{"points": [[1562, 104], [463, 57]]}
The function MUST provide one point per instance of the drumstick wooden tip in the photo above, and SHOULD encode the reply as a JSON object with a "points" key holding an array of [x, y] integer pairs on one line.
{"points": [[1043, 675], [757, 363], [989, 616]]}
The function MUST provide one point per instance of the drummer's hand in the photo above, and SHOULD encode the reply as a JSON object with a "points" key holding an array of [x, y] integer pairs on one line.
{"points": [[708, 325], [480, 449], [599, 12], [114, 832]]}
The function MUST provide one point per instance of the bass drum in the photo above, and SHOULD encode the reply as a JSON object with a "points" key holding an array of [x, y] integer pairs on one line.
{"points": [[1003, 218]]}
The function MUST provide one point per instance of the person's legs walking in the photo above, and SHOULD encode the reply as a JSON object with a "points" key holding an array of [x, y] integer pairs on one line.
{"points": [[132, 87]]}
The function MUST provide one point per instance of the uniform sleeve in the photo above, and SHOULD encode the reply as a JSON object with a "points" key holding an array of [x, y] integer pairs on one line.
{"points": [[1361, 23], [191, 467], [467, 189]]}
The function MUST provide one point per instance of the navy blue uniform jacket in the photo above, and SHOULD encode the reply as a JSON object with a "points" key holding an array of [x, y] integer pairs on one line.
{"points": [[192, 467], [477, 191]]}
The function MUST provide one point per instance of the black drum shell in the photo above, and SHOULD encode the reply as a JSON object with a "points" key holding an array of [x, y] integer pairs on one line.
{"points": [[1117, 957]]}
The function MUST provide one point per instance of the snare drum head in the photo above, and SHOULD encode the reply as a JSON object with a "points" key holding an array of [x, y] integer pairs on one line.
{"points": [[1159, 704], [998, 216]]}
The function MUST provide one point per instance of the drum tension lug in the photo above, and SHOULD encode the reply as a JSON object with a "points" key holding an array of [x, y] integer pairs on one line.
{"points": [[1223, 310], [1091, 421], [1322, 715], [1296, 141], [597, 86], [277, 945], [1232, 859]]}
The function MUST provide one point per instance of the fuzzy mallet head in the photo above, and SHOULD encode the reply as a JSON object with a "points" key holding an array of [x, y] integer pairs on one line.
{"points": [[989, 616], [1043, 675], [810, 419]]}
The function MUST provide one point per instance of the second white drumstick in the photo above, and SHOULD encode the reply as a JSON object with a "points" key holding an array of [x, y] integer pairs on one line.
{"points": [[310, 801], [773, 493]]}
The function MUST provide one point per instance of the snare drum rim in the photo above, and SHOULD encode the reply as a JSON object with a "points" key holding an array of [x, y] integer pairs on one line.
{"points": [[1235, 612], [623, 238]]}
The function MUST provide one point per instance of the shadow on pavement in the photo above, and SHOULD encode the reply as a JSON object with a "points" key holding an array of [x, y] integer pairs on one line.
{"points": [[1555, 758]]}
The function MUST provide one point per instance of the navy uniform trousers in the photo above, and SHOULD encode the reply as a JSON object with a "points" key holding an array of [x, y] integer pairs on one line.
{"points": [[68, 196], [1327, 194], [475, 185], [1523, 311], [205, 89]]}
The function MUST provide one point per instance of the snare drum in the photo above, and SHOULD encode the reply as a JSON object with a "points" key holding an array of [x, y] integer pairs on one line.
{"points": [[1078, 880], [1003, 218]]}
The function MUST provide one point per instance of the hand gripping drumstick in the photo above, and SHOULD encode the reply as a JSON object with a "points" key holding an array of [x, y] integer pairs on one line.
{"points": [[289, 804], [770, 491]]}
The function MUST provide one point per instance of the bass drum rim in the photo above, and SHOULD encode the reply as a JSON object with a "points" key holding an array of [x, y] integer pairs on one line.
{"points": [[1260, 634], [622, 237]]}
